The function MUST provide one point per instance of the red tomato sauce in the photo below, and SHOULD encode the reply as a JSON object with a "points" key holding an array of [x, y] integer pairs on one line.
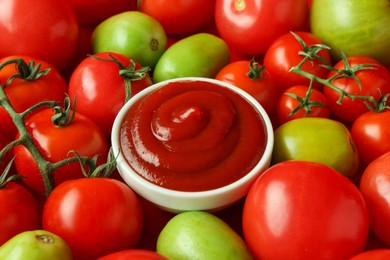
{"points": [[195, 136]]}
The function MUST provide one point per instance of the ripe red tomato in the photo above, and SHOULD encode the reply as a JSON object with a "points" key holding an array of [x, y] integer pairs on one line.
{"points": [[18, 211], [258, 83], [100, 90], [55, 143], [375, 254], [95, 216], [180, 17], [286, 104], [250, 27], [134, 254], [24, 93], [44, 29], [373, 82], [371, 134], [283, 54], [374, 185], [94, 11], [304, 210]]}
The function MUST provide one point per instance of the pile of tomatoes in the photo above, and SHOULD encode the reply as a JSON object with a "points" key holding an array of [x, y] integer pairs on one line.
{"points": [[67, 67]]}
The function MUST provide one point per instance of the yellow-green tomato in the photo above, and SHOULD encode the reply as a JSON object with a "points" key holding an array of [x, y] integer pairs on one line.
{"points": [[35, 245], [198, 55], [322, 140], [200, 235], [133, 34]]}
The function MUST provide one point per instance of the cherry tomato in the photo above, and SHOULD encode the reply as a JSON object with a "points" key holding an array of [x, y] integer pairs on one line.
{"points": [[93, 11], [134, 254], [304, 210], [18, 211], [99, 88], [252, 78], [374, 81], [283, 54], [371, 133], [180, 17], [250, 27], [44, 29], [374, 185], [95, 216], [375, 254], [286, 104], [81, 135], [24, 92]]}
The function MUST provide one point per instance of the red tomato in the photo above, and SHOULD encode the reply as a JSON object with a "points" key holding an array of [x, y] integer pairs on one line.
{"points": [[371, 134], [44, 29], [252, 78], [94, 11], [180, 17], [373, 82], [95, 216], [251, 26], [375, 185], [304, 210], [134, 254], [100, 90], [376, 254], [283, 54], [18, 211], [24, 93], [286, 104], [55, 143]]}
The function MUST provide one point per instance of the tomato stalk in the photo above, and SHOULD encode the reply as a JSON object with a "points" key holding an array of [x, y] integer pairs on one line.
{"points": [[309, 53]]}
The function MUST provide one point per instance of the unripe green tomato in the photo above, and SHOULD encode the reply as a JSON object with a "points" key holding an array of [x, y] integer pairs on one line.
{"points": [[133, 34], [321, 140], [198, 55], [35, 245]]}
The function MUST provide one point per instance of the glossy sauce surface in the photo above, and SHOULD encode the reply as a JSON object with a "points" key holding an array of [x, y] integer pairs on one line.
{"points": [[192, 136]]}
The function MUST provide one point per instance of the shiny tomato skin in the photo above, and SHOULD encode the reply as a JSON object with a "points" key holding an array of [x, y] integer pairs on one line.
{"points": [[283, 54], [374, 185], [374, 254], [55, 143], [26, 93], [180, 17], [18, 211], [93, 11], [100, 90], [374, 82], [286, 104], [95, 216], [371, 133], [262, 89], [134, 254], [44, 29], [251, 26], [304, 210]]}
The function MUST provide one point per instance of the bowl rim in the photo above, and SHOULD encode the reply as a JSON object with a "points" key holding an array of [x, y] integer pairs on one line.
{"points": [[123, 165]]}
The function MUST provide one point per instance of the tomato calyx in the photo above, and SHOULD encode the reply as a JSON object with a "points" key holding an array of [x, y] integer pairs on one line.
{"points": [[255, 72], [4, 178], [128, 73], [28, 72], [310, 53], [63, 116]]}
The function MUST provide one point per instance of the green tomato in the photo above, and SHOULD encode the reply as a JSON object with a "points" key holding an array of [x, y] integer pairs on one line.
{"points": [[319, 140], [133, 34], [35, 245], [200, 235], [198, 55], [359, 28]]}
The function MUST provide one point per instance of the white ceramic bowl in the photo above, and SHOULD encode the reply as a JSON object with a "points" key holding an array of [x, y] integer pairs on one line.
{"points": [[178, 201]]}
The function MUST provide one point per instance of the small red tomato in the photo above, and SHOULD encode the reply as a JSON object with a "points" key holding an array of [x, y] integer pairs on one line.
{"points": [[286, 104], [134, 254], [95, 216]]}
